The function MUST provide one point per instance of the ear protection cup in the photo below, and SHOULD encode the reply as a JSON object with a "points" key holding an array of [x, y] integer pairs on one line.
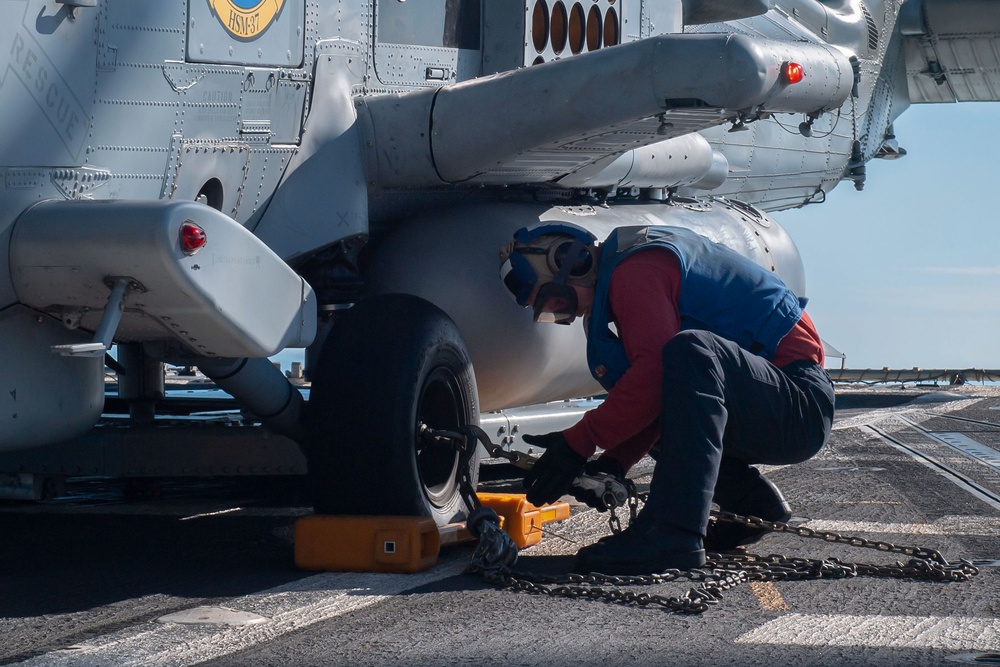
{"points": [[580, 256], [551, 253]]}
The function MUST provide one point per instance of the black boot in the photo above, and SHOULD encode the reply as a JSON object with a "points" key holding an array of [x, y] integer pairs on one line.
{"points": [[741, 489], [643, 548]]}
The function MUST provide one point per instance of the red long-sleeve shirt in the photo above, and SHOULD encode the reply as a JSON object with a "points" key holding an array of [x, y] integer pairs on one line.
{"points": [[644, 292]]}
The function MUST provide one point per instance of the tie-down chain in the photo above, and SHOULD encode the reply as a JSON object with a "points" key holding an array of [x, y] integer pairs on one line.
{"points": [[496, 553]]}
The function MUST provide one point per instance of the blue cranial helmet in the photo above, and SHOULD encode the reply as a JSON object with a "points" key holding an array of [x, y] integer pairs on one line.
{"points": [[552, 256]]}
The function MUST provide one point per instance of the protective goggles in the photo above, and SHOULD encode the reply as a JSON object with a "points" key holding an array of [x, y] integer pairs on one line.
{"points": [[555, 304]]}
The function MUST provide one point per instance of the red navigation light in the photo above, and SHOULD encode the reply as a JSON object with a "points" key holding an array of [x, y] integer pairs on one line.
{"points": [[193, 238], [792, 72]]}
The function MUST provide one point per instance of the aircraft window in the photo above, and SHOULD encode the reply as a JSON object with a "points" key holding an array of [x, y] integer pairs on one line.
{"points": [[576, 29], [610, 28], [594, 25], [558, 27], [452, 24], [540, 25]]}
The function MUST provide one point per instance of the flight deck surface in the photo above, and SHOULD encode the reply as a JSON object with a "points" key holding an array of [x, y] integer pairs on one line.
{"points": [[202, 573]]}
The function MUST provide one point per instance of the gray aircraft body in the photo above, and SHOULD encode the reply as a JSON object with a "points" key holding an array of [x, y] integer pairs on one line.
{"points": [[209, 182]]}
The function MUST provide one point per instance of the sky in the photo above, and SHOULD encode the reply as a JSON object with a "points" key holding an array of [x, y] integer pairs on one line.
{"points": [[907, 272]]}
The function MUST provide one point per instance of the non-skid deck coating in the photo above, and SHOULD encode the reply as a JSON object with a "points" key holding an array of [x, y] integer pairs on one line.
{"points": [[90, 582]]}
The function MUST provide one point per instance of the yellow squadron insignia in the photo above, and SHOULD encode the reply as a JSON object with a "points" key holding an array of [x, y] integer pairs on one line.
{"points": [[246, 19]]}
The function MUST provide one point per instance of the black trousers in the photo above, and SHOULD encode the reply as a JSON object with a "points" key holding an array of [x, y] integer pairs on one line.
{"points": [[720, 401]]}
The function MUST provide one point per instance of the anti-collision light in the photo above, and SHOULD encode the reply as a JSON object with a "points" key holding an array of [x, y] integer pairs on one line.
{"points": [[192, 237], [792, 72]]}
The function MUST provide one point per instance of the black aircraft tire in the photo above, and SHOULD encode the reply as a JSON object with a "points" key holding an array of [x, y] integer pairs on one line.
{"points": [[390, 363]]}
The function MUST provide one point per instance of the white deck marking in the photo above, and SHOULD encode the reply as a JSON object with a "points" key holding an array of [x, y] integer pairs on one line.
{"points": [[289, 608], [950, 633], [212, 616], [946, 525]]}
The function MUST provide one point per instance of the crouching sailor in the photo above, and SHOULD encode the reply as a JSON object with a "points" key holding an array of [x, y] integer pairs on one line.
{"points": [[711, 366]]}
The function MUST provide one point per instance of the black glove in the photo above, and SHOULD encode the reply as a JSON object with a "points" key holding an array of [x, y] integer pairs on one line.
{"points": [[553, 473], [602, 464]]}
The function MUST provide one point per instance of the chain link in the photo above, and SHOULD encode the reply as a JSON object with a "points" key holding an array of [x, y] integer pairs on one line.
{"points": [[723, 572], [612, 504], [496, 555], [924, 563], [695, 601], [613, 521]]}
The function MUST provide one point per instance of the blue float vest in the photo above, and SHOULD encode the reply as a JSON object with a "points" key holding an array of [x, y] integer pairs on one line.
{"points": [[721, 291]]}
